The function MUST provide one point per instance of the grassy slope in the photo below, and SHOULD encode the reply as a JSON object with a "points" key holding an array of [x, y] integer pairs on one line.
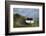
{"points": [[19, 22]]}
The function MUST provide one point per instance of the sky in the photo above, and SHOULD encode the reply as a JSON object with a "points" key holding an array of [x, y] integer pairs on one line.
{"points": [[29, 12]]}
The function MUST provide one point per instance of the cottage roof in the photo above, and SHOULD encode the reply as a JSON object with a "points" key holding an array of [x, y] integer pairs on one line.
{"points": [[29, 18]]}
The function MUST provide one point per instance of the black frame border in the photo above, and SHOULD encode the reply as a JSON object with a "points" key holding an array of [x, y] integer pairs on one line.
{"points": [[20, 33]]}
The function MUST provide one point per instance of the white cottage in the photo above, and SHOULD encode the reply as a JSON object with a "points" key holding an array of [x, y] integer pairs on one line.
{"points": [[29, 20]]}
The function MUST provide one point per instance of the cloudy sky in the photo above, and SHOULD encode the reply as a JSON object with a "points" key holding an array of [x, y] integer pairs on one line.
{"points": [[29, 12]]}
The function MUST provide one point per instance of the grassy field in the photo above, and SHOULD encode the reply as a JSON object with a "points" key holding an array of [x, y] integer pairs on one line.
{"points": [[19, 21]]}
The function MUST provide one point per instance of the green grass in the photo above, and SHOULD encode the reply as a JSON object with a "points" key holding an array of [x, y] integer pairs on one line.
{"points": [[19, 22]]}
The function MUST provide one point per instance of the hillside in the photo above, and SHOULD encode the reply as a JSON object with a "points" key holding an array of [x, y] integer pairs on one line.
{"points": [[19, 21]]}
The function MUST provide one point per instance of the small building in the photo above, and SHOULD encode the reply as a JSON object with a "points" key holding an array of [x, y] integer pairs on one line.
{"points": [[29, 20]]}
